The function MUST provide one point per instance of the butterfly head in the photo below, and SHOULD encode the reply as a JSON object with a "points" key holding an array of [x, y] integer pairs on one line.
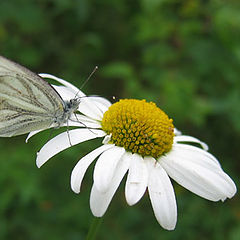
{"points": [[72, 105]]}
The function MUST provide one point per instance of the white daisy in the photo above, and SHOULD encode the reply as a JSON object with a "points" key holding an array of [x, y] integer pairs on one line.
{"points": [[140, 141]]}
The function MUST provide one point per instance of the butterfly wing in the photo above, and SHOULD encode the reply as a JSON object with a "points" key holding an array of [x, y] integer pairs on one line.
{"points": [[27, 102]]}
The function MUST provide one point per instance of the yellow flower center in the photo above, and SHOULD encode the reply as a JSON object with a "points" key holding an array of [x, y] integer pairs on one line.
{"points": [[139, 126]]}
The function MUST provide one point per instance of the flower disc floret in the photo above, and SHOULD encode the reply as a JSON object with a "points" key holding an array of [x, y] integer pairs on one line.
{"points": [[139, 126]]}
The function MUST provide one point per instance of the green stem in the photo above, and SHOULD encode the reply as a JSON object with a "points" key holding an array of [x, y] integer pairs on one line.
{"points": [[95, 225]]}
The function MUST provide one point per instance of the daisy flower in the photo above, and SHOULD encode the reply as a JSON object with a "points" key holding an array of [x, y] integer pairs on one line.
{"points": [[140, 141]]}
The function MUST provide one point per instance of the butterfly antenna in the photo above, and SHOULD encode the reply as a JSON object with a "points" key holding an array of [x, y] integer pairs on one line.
{"points": [[85, 82], [94, 70]]}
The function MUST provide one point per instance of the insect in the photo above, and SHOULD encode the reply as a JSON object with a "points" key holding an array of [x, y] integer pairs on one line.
{"points": [[29, 103]]}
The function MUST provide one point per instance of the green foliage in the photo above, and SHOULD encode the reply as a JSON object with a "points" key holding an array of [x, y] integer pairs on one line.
{"points": [[184, 55]]}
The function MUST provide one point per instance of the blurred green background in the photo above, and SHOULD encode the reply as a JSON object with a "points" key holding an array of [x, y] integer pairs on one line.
{"points": [[182, 54]]}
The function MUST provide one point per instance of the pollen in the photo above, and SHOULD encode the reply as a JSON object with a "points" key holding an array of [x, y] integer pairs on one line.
{"points": [[139, 127]]}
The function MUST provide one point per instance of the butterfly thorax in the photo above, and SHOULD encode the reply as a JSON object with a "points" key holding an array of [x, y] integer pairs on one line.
{"points": [[70, 107]]}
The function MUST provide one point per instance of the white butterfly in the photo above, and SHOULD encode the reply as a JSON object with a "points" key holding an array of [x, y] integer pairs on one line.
{"points": [[28, 103]]}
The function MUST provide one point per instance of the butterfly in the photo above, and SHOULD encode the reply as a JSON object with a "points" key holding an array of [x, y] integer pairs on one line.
{"points": [[29, 103]]}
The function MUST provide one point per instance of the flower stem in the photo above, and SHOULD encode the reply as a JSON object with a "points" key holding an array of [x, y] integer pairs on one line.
{"points": [[95, 225]]}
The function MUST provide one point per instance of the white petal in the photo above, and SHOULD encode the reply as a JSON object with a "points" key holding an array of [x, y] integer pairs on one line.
{"points": [[64, 92], [82, 165], [106, 139], [198, 173], [61, 142], [79, 120], [162, 197], [90, 109], [101, 100], [100, 201], [194, 154], [177, 132], [64, 82], [137, 180], [105, 168], [184, 138]]}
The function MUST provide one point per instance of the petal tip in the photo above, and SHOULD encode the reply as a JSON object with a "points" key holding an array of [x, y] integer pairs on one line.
{"points": [[74, 187], [38, 164]]}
